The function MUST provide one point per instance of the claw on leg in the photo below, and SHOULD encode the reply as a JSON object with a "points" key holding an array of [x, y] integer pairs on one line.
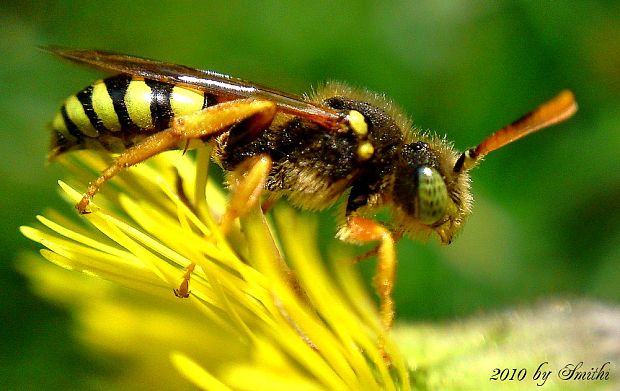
{"points": [[183, 290]]}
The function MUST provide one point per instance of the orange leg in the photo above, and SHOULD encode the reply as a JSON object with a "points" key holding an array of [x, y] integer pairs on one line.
{"points": [[246, 183], [183, 290], [203, 124], [360, 229], [254, 115]]}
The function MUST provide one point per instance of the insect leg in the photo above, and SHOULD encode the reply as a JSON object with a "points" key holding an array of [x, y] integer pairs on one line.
{"points": [[203, 124], [360, 229], [246, 182]]}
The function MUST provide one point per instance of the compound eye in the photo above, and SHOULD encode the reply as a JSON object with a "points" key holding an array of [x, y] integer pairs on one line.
{"points": [[432, 196]]}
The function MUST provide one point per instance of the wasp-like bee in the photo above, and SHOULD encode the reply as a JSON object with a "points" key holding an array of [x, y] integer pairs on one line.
{"points": [[309, 150]]}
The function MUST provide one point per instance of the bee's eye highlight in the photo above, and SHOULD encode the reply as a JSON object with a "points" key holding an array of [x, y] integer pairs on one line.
{"points": [[432, 195]]}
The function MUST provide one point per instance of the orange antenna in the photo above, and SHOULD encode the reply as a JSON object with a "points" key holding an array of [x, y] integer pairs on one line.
{"points": [[554, 111]]}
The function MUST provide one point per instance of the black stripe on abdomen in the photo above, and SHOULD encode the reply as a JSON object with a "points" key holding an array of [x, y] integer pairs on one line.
{"points": [[71, 127], [117, 88], [161, 111], [86, 99]]}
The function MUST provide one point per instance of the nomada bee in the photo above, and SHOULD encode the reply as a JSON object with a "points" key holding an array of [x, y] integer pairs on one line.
{"points": [[339, 141]]}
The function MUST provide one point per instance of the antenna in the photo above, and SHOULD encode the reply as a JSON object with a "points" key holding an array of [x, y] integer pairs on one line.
{"points": [[554, 111]]}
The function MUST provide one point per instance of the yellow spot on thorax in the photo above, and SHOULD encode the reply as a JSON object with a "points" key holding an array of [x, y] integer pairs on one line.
{"points": [[365, 150], [357, 122]]}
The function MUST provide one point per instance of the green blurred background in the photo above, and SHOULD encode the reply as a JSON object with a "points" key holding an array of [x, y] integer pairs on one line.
{"points": [[546, 213]]}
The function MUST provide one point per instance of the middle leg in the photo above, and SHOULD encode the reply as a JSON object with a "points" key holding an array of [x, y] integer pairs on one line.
{"points": [[246, 182]]}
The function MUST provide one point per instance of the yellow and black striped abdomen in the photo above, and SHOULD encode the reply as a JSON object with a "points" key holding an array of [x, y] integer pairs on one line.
{"points": [[113, 114]]}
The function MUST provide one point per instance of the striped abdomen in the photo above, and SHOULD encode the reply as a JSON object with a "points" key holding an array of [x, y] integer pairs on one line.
{"points": [[115, 113]]}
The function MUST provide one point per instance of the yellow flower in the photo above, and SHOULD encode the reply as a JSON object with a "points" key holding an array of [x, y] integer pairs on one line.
{"points": [[265, 312]]}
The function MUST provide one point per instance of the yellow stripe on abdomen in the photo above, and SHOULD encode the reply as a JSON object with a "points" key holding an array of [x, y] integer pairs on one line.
{"points": [[138, 103], [75, 112], [185, 101], [104, 107], [58, 124]]}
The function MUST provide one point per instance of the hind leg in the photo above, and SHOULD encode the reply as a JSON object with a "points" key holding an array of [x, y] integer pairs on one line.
{"points": [[256, 116]]}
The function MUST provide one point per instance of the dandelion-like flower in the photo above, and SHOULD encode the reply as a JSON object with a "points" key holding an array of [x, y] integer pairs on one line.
{"points": [[265, 312]]}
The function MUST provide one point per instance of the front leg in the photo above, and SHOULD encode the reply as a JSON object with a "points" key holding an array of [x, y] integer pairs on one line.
{"points": [[362, 230], [364, 194]]}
